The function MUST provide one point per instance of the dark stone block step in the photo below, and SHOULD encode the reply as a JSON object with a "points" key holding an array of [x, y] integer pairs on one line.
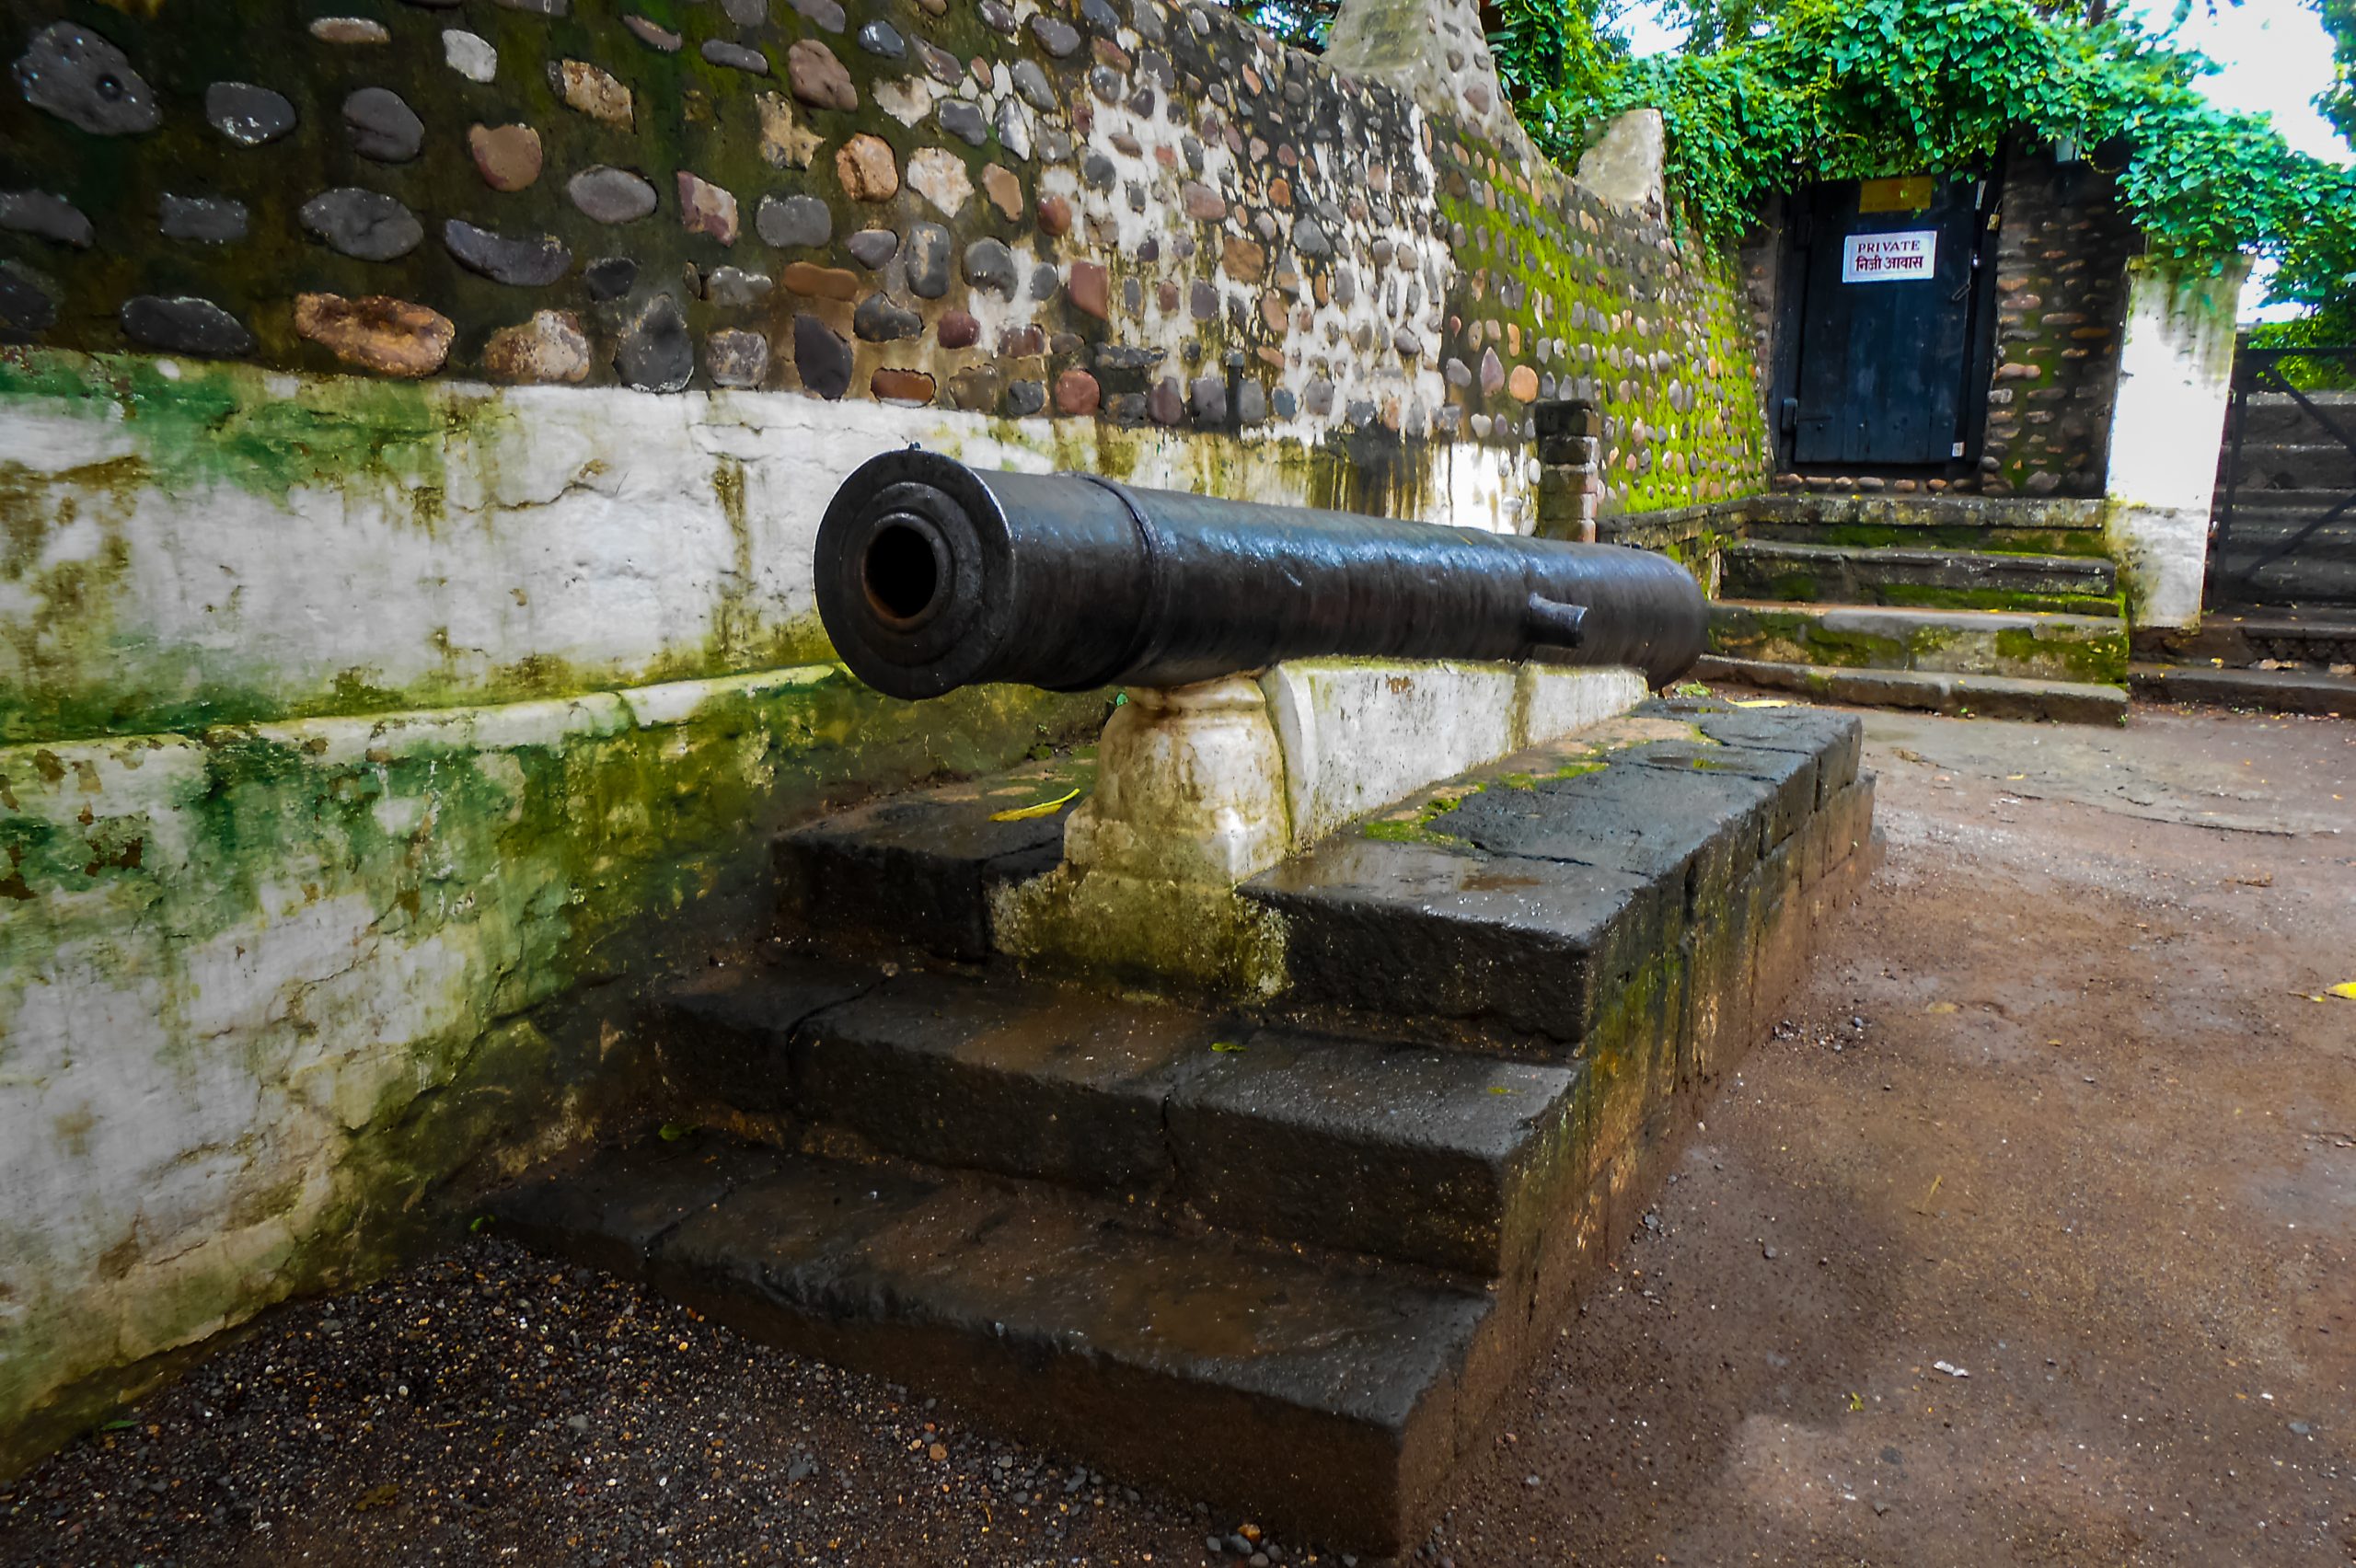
{"points": [[1439, 1157], [917, 871], [1985, 697], [1767, 570], [1537, 906], [2267, 691], [1326, 1401]]}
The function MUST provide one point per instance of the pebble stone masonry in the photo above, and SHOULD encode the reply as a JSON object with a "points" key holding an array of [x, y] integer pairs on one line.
{"points": [[1139, 215]]}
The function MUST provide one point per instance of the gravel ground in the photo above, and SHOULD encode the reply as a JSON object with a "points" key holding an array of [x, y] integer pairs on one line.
{"points": [[2055, 1110]]}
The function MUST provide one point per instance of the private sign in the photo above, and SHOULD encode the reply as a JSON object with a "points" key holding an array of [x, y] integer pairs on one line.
{"points": [[1888, 258]]}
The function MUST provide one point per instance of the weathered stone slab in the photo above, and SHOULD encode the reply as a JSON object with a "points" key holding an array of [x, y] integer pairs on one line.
{"points": [[1067, 1085], [917, 870], [1429, 1156], [1336, 1397]]}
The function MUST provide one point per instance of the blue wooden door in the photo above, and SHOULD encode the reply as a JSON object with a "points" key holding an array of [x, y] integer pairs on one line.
{"points": [[1885, 324]]}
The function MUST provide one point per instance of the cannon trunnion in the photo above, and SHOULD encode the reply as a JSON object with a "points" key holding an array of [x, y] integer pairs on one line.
{"points": [[933, 576]]}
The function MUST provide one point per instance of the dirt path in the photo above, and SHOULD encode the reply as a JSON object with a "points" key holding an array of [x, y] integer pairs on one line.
{"points": [[2055, 1110]]}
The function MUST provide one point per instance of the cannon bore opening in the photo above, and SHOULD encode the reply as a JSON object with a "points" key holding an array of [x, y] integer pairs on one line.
{"points": [[903, 570]]}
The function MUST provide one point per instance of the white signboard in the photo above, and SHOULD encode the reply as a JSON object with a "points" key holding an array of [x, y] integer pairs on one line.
{"points": [[1888, 258]]}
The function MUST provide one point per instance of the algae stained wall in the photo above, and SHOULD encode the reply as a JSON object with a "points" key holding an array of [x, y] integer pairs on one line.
{"points": [[414, 419]]}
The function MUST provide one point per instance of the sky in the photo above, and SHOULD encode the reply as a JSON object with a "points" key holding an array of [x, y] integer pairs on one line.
{"points": [[2273, 57]]}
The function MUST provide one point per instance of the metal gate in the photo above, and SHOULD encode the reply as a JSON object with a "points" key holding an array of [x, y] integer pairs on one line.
{"points": [[2284, 529]]}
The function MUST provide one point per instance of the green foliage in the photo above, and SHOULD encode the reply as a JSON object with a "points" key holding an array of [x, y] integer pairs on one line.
{"points": [[1843, 89], [2338, 100]]}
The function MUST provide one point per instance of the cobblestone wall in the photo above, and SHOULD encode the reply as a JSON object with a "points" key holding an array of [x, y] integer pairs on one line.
{"points": [[2061, 298], [1148, 216]]}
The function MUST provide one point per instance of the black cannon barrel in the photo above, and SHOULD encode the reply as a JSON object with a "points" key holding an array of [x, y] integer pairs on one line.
{"points": [[933, 576]]}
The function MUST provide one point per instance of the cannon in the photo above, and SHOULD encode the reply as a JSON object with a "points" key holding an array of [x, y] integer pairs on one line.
{"points": [[933, 576]]}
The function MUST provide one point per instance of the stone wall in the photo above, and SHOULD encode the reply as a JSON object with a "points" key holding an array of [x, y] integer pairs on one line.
{"points": [[1148, 218], [414, 423], [2061, 257]]}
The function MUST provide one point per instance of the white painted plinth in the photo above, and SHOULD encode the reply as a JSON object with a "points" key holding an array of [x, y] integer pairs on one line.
{"points": [[1189, 787], [2176, 363], [1217, 782]]}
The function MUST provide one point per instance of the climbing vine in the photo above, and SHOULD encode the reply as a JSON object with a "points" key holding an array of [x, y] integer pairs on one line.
{"points": [[1838, 90]]}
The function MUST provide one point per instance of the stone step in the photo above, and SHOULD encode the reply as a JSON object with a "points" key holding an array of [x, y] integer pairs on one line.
{"points": [[2268, 418], [1445, 1158], [2083, 649], [2316, 464], [915, 871], [1579, 905], [2319, 574], [2321, 637], [1324, 1399], [2270, 691], [1985, 697], [1769, 570]]}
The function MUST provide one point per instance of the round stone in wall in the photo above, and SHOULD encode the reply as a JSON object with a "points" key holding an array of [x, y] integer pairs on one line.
{"points": [[734, 357], [383, 125], [184, 325], [551, 347], [963, 120], [822, 357], [611, 195], [653, 353], [736, 56], [990, 265], [610, 277], [1058, 37], [51, 217], [469, 54], [246, 114], [85, 81], [788, 222], [507, 157], [364, 224], [523, 263], [27, 301], [873, 247], [818, 77], [928, 261], [209, 220]]}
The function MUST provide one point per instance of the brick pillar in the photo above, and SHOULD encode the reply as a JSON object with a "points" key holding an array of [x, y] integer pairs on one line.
{"points": [[1570, 468]]}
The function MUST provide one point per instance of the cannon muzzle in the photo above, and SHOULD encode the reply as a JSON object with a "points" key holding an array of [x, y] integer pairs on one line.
{"points": [[933, 576]]}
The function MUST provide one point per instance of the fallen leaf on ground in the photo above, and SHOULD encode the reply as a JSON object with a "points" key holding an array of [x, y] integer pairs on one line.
{"points": [[1044, 808]]}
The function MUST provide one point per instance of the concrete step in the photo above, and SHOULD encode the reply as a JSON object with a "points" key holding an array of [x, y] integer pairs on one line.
{"points": [[2268, 418], [2317, 463], [1769, 570], [2321, 637], [1985, 697], [915, 871], [1445, 1158], [2084, 648], [1324, 1399], [2270, 691]]}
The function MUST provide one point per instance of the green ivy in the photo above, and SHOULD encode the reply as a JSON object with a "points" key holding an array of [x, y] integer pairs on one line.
{"points": [[1845, 89]]}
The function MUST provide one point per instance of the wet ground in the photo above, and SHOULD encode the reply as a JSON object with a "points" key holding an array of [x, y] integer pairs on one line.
{"points": [[2030, 1237]]}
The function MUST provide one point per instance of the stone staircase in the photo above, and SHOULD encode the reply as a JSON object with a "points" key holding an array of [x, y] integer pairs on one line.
{"points": [[1998, 632], [2279, 660], [1280, 1256], [2280, 543]]}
